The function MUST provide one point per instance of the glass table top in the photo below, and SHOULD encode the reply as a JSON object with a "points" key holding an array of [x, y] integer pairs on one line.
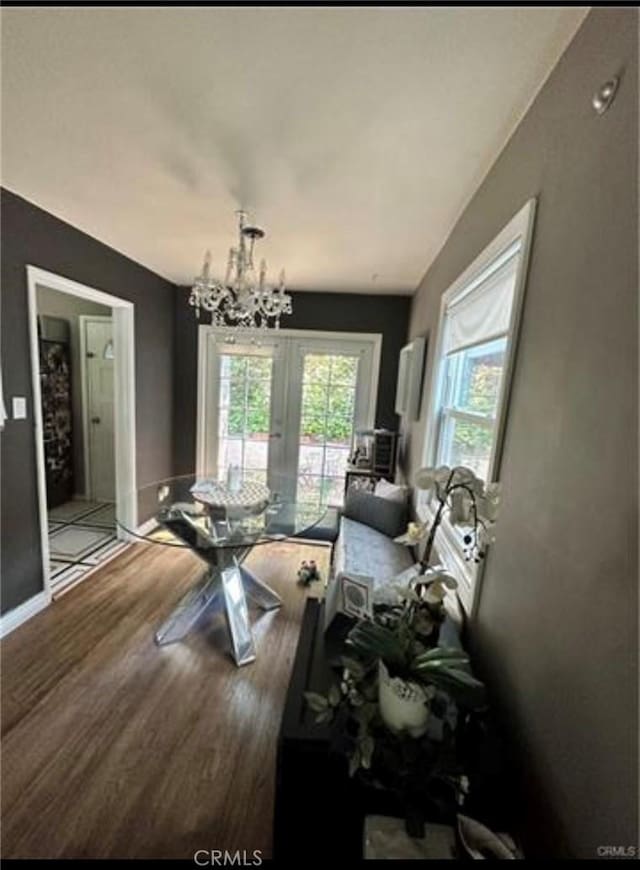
{"points": [[215, 511]]}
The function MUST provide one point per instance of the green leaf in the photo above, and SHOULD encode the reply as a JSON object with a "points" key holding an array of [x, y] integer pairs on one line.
{"points": [[371, 639], [458, 676], [352, 665], [442, 652], [334, 696], [367, 745], [441, 665], [354, 762], [318, 703], [326, 716], [463, 687]]}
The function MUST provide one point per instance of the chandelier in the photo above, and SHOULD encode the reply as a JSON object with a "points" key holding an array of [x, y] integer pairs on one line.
{"points": [[243, 299]]}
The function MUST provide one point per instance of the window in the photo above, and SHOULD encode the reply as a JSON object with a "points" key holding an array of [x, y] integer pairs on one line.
{"points": [[475, 350], [472, 378]]}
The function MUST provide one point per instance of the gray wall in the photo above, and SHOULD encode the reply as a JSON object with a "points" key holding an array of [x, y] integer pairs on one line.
{"points": [[70, 308], [556, 629], [32, 236], [349, 312]]}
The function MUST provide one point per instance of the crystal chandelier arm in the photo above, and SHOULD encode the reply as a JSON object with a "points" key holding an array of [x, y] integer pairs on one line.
{"points": [[244, 299], [241, 260], [206, 266], [230, 262]]}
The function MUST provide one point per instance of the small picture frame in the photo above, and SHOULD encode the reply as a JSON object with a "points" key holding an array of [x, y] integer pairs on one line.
{"points": [[356, 595]]}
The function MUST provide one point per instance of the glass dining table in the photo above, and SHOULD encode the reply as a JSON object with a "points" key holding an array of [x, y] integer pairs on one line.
{"points": [[221, 517]]}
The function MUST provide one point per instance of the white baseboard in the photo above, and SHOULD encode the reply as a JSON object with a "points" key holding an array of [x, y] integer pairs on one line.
{"points": [[20, 614]]}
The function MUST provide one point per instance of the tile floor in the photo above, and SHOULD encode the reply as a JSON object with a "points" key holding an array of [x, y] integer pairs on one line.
{"points": [[82, 535]]}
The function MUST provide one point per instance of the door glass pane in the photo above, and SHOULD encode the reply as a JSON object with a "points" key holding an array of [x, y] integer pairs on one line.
{"points": [[326, 426], [341, 407], [244, 413]]}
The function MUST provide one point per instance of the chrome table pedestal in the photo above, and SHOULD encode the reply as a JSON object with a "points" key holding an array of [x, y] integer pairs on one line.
{"points": [[221, 526], [225, 585]]}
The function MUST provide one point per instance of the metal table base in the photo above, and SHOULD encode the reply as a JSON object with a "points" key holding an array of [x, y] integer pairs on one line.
{"points": [[224, 589]]}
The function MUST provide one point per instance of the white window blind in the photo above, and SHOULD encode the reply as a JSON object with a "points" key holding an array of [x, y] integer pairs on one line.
{"points": [[482, 310]]}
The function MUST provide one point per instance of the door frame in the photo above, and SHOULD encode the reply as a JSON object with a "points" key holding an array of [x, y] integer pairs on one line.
{"points": [[83, 319], [206, 331], [124, 398]]}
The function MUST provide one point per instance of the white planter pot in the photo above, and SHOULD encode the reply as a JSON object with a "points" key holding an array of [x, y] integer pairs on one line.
{"points": [[403, 704]]}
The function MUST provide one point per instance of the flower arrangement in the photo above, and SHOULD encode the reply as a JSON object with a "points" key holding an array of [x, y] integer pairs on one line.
{"points": [[395, 676], [468, 503]]}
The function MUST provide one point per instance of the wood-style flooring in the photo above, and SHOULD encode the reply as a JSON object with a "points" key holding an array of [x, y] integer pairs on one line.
{"points": [[114, 747]]}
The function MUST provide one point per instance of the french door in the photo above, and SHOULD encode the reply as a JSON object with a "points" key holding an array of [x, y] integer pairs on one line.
{"points": [[284, 407]]}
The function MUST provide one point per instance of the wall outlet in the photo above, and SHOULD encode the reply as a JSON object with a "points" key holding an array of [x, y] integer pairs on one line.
{"points": [[19, 408]]}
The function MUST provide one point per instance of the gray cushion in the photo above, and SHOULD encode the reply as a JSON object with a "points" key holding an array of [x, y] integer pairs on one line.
{"points": [[362, 550], [381, 514], [326, 529]]}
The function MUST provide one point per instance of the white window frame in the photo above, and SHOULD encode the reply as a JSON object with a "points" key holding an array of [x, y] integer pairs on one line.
{"points": [[448, 542]]}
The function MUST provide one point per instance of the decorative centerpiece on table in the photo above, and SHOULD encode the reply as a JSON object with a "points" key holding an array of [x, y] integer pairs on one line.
{"points": [[238, 497], [400, 708]]}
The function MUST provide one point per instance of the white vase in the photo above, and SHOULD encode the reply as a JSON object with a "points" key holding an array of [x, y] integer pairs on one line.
{"points": [[403, 703]]}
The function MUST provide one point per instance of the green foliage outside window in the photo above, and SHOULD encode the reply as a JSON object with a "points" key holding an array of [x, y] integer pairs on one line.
{"points": [[327, 399], [482, 395]]}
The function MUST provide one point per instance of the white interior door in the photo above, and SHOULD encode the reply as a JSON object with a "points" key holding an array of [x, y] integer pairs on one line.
{"points": [[284, 408], [99, 409]]}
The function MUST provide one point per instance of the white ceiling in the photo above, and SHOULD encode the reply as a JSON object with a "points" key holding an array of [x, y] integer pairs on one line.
{"points": [[354, 135]]}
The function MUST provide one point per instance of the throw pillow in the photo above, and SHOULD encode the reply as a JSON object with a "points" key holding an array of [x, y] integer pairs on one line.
{"points": [[391, 491], [381, 514]]}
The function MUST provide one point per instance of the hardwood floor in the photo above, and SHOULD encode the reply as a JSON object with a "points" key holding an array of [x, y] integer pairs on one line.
{"points": [[113, 747]]}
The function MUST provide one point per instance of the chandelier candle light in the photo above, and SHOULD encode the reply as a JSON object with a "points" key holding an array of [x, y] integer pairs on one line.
{"points": [[243, 299]]}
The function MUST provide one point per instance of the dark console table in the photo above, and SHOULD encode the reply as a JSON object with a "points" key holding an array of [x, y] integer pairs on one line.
{"points": [[319, 809], [316, 814]]}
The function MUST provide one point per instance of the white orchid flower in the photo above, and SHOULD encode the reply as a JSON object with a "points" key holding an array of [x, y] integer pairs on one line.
{"points": [[462, 474], [441, 576], [442, 474], [435, 593], [425, 479], [461, 512], [466, 477], [414, 534]]}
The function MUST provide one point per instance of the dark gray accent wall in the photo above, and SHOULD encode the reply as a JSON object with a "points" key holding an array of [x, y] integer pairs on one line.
{"points": [[31, 236], [556, 630], [349, 312]]}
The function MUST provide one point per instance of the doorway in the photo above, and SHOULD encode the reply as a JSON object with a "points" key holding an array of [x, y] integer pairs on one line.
{"points": [[83, 391], [283, 407]]}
